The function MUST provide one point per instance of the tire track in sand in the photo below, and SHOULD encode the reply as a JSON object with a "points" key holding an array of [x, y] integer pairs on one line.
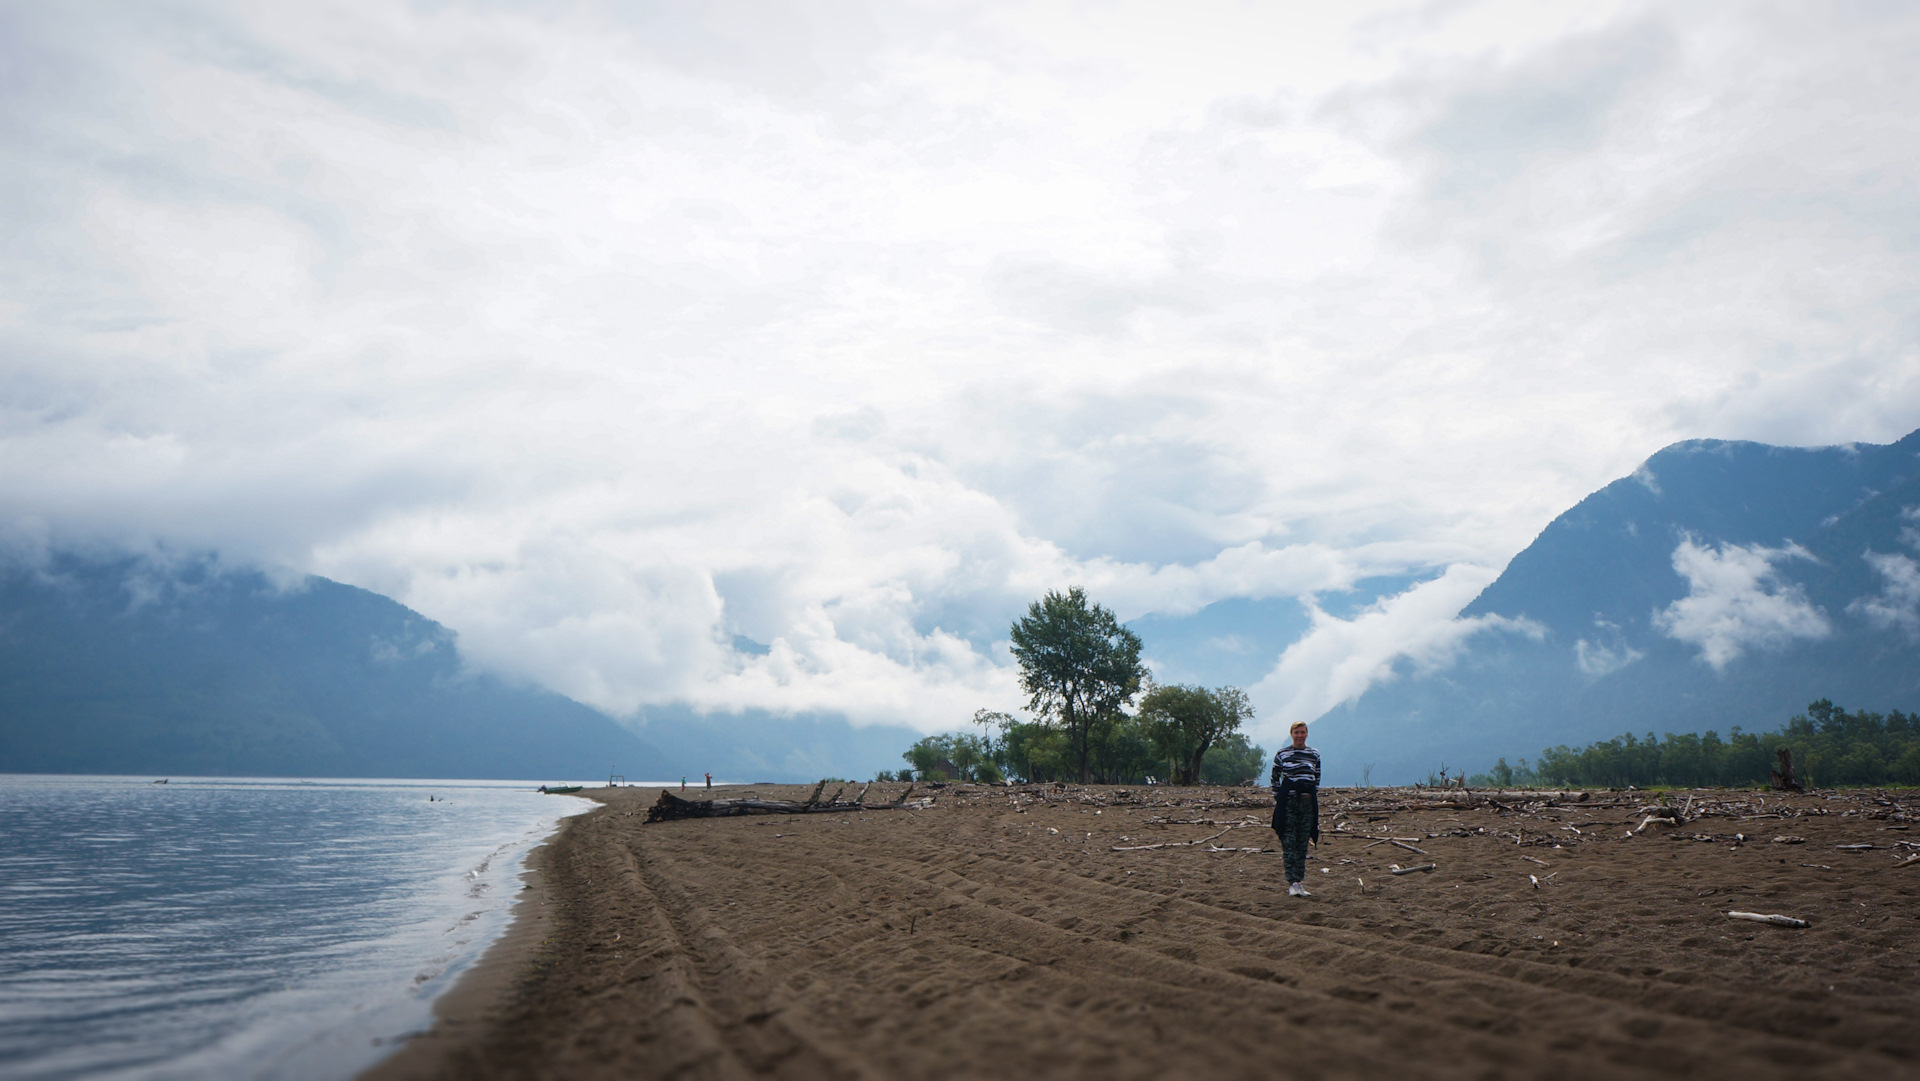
{"points": [[1321, 979]]}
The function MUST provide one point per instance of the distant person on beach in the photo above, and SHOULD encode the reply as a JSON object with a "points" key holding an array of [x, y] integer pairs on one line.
{"points": [[709, 780], [683, 784], [1296, 806]]}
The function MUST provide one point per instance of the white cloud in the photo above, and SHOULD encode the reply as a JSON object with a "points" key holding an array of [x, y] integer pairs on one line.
{"points": [[1596, 659], [1898, 602], [1338, 659], [604, 334], [1736, 600]]}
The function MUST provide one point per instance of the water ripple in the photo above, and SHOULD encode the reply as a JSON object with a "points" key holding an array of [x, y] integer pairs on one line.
{"points": [[242, 928]]}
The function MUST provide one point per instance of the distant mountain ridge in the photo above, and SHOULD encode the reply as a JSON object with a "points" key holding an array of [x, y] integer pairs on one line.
{"points": [[1722, 583], [120, 666]]}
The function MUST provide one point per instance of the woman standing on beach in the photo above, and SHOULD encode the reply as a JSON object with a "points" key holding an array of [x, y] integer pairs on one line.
{"points": [[1296, 805]]}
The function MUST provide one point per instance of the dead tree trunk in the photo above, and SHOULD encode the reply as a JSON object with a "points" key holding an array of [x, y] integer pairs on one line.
{"points": [[1782, 777]]}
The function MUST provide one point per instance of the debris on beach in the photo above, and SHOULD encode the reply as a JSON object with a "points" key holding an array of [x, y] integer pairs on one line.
{"points": [[1530, 820], [1162, 905], [1774, 920]]}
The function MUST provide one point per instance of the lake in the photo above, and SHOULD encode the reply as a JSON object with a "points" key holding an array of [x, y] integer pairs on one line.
{"points": [[237, 928]]}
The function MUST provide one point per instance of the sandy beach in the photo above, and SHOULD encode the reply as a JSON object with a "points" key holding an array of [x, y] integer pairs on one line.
{"points": [[999, 932]]}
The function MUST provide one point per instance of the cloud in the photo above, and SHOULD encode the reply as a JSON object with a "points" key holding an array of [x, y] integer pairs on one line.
{"points": [[1596, 659], [1736, 600], [605, 335], [1898, 602], [1338, 659]]}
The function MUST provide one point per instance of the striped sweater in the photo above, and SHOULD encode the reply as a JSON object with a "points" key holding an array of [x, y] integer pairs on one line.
{"points": [[1298, 767]]}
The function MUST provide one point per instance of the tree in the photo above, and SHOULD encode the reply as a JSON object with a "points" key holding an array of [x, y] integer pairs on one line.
{"points": [[954, 756], [990, 722], [931, 756], [1187, 720], [1120, 749], [1234, 760], [1826, 743], [969, 753], [1035, 752], [1077, 663]]}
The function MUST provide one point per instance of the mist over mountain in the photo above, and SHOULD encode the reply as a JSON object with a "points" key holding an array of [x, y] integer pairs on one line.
{"points": [[1721, 584], [127, 665]]}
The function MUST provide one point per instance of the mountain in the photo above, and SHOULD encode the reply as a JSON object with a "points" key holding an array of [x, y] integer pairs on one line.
{"points": [[1721, 584], [122, 666]]}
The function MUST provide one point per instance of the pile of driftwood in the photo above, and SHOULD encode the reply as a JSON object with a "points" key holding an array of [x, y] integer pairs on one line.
{"points": [[672, 808]]}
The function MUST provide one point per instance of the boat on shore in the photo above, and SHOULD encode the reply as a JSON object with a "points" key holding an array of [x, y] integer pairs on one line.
{"points": [[560, 789]]}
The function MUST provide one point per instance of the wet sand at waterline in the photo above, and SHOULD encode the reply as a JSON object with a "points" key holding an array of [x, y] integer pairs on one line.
{"points": [[999, 933]]}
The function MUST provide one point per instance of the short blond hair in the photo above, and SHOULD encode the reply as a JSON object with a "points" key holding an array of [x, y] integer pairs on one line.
{"points": [[1296, 724]]}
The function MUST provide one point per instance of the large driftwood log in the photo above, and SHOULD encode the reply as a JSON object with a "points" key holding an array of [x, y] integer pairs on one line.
{"points": [[671, 808]]}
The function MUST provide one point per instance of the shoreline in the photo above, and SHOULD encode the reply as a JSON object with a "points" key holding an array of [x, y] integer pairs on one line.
{"points": [[466, 1013]]}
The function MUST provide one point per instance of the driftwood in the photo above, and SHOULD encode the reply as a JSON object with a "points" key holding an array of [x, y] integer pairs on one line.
{"points": [[1664, 816], [1175, 844], [1777, 921], [671, 808], [1399, 870]]}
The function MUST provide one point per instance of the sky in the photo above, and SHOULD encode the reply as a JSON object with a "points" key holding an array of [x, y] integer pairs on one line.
{"points": [[776, 356]]}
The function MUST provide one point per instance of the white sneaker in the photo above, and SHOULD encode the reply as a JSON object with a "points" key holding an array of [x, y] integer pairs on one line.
{"points": [[1296, 889]]}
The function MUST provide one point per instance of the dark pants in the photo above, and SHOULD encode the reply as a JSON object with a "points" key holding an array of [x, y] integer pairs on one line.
{"points": [[1296, 833]]}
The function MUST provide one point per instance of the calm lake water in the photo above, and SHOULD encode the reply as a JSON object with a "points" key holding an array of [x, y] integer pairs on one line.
{"points": [[233, 928]]}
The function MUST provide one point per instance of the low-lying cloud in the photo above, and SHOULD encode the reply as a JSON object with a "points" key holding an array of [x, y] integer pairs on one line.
{"points": [[1898, 602], [1601, 656], [1737, 600], [1338, 659]]}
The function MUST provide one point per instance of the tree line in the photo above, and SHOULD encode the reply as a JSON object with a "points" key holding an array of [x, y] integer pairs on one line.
{"points": [[1081, 670], [1829, 745]]}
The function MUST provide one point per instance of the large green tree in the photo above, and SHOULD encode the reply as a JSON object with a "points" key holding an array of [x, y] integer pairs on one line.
{"points": [[1077, 663], [1185, 721]]}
